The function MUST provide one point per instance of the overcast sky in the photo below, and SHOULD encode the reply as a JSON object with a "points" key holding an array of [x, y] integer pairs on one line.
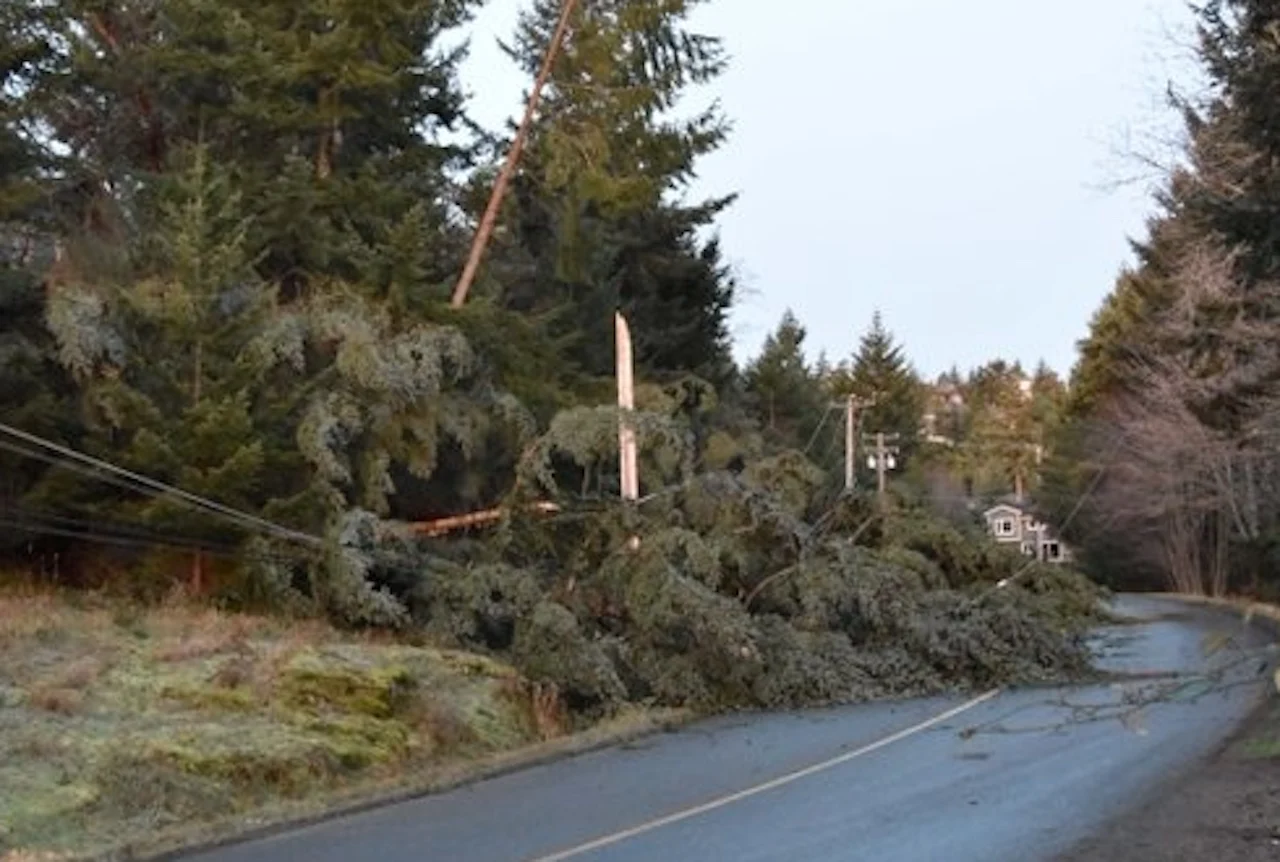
{"points": [[954, 165]]}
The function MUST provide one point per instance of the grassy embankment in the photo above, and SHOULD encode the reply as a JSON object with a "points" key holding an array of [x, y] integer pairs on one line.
{"points": [[147, 729]]}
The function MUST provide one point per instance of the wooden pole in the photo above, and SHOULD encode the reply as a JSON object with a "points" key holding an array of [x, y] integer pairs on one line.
{"points": [[626, 403], [850, 448], [490, 218], [629, 466], [881, 465]]}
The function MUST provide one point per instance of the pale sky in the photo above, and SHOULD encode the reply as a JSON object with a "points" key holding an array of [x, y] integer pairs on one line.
{"points": [[952, 164]]}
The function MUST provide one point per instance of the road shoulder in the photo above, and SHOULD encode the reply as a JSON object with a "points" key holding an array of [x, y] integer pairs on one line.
{"points": [[1226, 809]]}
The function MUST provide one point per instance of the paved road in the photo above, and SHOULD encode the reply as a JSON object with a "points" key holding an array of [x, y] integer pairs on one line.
{"points": [[1017, 775]]}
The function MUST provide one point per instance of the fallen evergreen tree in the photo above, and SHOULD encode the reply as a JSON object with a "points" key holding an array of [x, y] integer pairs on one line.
{"points": [[760, 588]]}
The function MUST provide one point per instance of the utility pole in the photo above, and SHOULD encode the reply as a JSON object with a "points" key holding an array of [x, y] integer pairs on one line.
{"points": [[882, 461], [881, 464], [490, 218], [850, 415], [628, 465], [851, 407], [629, 472]]}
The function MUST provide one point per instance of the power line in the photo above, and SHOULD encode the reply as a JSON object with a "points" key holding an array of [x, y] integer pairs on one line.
{"points": [[55, 461], [22, 526], [36, 521], [145, 484], [823, 424]]}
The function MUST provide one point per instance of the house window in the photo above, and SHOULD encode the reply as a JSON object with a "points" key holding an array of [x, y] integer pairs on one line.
{"points": [[1052, 551], [1005, 527], [1028, 549]]}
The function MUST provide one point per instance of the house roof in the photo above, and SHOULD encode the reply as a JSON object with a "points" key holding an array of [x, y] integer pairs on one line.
{"points": [[1002, 508]]}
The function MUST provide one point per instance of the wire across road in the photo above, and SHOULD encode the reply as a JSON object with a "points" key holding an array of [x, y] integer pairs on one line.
{"points": [[1015, 775]]}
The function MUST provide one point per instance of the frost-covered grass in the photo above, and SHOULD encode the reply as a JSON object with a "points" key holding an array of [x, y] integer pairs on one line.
{"points": [[119, 724]]}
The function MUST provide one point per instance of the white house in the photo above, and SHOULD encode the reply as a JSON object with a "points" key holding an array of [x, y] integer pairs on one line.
{"points": [[1010, 525]]}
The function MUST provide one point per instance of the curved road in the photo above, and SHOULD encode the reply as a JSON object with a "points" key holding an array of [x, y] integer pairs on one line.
{"points": [[1017, 775]]}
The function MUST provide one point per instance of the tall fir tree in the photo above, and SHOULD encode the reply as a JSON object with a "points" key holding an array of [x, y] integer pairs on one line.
{"points": [[163, 360], [879, 373], [596, 222], [1003, 444], [329, 116], [786, 395], [35, 395]]}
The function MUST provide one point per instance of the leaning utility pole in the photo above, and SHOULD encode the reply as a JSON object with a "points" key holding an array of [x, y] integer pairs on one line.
{"points": [[490, 218]]}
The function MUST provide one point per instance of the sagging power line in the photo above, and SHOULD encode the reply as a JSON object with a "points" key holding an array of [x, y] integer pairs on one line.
{"points": [[55, 453], [106, 535]]}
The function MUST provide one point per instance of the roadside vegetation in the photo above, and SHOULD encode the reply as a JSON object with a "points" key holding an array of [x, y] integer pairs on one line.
{"points": [[126, 724], [123, 726], [1174, 406]]}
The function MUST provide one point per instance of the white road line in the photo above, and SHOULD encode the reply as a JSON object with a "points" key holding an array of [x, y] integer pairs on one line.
{"points": [[780, 781]]}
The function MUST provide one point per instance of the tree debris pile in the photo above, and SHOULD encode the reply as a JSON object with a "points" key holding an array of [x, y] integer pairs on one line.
{"points": [[756, 589]]}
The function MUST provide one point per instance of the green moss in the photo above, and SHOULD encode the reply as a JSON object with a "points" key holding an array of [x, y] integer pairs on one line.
{"points": [[37, 802], [268, 761], [1262, 741], [495, 722], [468, 663], [360, 741], [167, 742], [210, 696], [346, 680]]}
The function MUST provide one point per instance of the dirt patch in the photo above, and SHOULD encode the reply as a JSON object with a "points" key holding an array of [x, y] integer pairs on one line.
{"points": [[1228, 810]]}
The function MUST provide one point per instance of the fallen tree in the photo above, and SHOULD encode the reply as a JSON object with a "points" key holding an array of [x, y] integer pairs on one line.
{"points": [[760, 588]]}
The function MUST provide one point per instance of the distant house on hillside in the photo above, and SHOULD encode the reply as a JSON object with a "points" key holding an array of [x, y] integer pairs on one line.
{"points": [[1011, 525]]}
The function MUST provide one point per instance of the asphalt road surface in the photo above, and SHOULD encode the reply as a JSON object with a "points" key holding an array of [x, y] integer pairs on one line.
{"points": [[1019, 775]]}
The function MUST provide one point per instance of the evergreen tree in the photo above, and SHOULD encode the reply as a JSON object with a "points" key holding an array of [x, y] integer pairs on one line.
{"points": [[1183, 348], [880, 373], [328, 116], [168, 382], [308, 414], [34, 393], [1236, 140], [1004, 444], [595, 222], [787, 397]]}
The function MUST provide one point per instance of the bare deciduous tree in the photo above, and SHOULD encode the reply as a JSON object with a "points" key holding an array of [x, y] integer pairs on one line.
{"points": [[1195, 471]]}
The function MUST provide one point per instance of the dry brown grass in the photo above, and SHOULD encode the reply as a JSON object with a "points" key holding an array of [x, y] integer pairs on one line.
{"points": [[187, 634], [235, 672], [31, 856], [23, 615], [36, 745], [80, 674], [549, 714], [448, 730], [63, 701]]}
